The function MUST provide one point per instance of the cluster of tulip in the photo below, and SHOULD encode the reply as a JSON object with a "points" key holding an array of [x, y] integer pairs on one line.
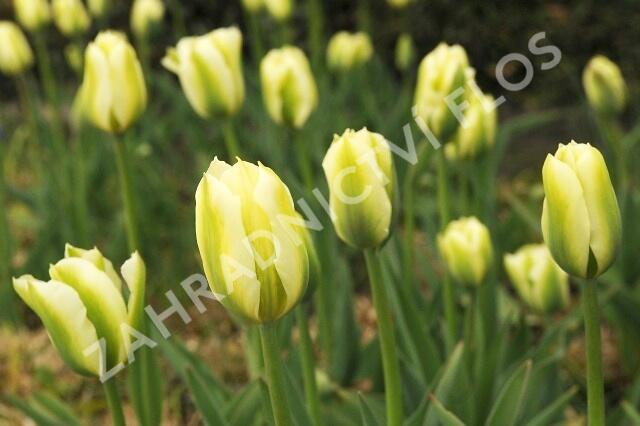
{"points": [[258, 254]]}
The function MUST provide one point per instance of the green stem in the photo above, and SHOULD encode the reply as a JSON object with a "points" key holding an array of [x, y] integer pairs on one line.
{"points": [[363, 16], [80, 191], [393, 390], [115, 406], [275, 375], [304, 160], [257, 47], [179, 27], [230, 139], [448, 293], [126, 189], [7, 295], [308, 370], [255, 363], [595, 381], [315, 16]]}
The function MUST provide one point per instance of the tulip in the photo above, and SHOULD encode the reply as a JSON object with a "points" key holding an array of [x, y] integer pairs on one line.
{"points": [[98, 8], [361, 178], [580, 217], [15, 53], [113, 90], [346, 51], [441, 74], [399, 4], [404, 52], [604, 86], [210, 71], [84, 302], [477, 132], [252, 246], [465, 246], [32, 14], [539, 281], [288, 88], [253, 6], [146, 14], [279, 9], [71, 17], [73, 55]]}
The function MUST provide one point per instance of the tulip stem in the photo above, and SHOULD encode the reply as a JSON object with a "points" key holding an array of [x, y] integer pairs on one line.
{"points": [[308, 369], [595, 381], [275, 375], [304, 160], [126, 189], [113, 399], [315, 17], [7, 295], [448, 290], [230, 139], [393, 390]]}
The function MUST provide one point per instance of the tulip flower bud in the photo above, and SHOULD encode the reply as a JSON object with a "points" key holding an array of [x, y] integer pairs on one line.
{"points": [[361, 178], [146, 14], [279, 9], [73, 55], [580, 216], [252, 241], [477, 132], [539, 281], [604, 85], [346, 51], [83, 302], [288, 88], [15, 53], [113, 91], [399, 4], [441, 80], [465, 246], [98, 8], [210, 71], [252, 6], [71, 17], [32, 14], [405, 52]]}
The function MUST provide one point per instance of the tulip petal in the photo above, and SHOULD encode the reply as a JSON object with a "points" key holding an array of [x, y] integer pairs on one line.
{"points": [[97, 81], [65, 318], [135, 275], [105, 305], [565, 219], [129, 90], [95, 256]]}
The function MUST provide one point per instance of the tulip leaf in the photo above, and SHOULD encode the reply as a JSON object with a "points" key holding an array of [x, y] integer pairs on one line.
{"points": [[417, 417], [58, 408], [34, 411], [204, 400], [243, 408], [632, 413], [295, 398], [369, 418], [449, 384], [507, 407], [546, 416], [446, 417]]}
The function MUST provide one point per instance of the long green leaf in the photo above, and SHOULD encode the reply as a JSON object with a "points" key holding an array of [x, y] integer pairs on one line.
{"points": [[631, 412], [245, 406], [367, 415], [205, 401], [37, 414], [547, 415], [450, 383], [58, 408], [507, 407], [446, 417]]}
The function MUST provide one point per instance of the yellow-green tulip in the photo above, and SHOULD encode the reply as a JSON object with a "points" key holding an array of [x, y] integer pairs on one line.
{"points": [[145, 15], [361, 178], [405, 52], [465, 246], [32, 14], [16, 55], [113, 93], [210, 71], [279, 9], [538, 280], [288, 88], [441, 74], [252, 6], [252, 241], [98, 8], [604, 85], [346, 50], [399, 4], [71, 17], [580, 217], [477, 131], [84, 302]]}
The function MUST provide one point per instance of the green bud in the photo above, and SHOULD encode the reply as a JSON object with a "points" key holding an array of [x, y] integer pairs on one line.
{"points": [[399, 4], [71, 17], [538, 280], [440, 74], [465, 246], [32, 14], [288, 88], [477, 132], [604, 85], [346, 51], [580, 217], [16, 55], [279, 9], [405, 52], [145, 16], [113, 92], [98, 8], [252, 242], [83, 302], [361, 177], [210, 71]]}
